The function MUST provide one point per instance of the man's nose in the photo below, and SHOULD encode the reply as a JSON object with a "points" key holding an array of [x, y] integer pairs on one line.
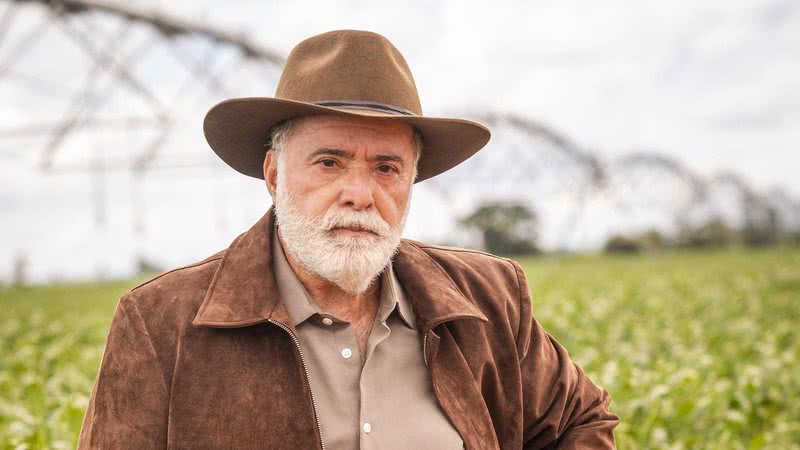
{"points": [[356, 189]]}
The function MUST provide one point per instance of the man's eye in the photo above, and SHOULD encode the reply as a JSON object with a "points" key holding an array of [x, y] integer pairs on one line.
{"points": [[384, 166], [326, 162]]}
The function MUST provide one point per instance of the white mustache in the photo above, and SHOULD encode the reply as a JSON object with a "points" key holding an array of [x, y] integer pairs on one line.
{"points": [[365, 221]]}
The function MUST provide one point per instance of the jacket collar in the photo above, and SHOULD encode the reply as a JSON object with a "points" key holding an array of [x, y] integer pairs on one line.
{"points": [[243, 290]]}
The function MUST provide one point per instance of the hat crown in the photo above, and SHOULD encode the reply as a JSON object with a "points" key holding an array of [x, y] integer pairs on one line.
{"points": [[349, 65]]}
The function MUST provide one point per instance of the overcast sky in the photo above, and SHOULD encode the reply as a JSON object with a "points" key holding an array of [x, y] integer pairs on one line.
{"points": [[714, 84]]}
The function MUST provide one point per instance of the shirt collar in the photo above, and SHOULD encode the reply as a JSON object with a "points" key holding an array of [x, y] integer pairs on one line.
{"points": [[301, 306]]}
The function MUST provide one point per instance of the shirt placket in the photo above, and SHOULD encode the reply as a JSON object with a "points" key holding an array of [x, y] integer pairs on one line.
{"points": [[368, 434], [344, 371], [344, 340]]}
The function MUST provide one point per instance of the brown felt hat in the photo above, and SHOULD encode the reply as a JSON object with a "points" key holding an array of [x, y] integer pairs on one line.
{"points": [[342, 72]]}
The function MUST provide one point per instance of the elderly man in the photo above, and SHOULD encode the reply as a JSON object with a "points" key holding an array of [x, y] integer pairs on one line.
{"points": [[320, 327]]}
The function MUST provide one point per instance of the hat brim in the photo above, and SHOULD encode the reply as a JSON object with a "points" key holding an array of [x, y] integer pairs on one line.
{"points": [[236, 129]]}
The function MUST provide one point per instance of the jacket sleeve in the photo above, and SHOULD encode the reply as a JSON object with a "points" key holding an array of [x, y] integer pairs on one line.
{"points": [[129, 401], [562, 408]]}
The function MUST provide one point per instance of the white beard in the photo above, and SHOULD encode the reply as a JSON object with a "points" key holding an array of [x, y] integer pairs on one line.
{"points": [[350, 262]]}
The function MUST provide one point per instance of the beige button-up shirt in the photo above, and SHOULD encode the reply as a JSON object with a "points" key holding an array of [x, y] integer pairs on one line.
{"points": [[390, 403]]}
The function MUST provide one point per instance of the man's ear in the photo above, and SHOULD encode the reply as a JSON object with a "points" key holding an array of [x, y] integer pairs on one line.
{"points": [[271, 172]]}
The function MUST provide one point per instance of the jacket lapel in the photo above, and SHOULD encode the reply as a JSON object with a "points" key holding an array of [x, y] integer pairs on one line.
{"points": [[437, 300], [243, 290]]}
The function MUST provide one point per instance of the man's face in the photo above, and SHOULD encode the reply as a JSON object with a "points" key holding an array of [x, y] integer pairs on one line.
{"points": [[337, 174]]}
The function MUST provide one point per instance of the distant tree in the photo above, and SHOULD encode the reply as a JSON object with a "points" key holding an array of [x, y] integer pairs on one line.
{"points": [[20, 274], [764, 232], [713, 233], [622, 244], [147, 266], [508, 228], [652, 240]]}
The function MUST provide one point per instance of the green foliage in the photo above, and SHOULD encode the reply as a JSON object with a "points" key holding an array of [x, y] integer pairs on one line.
{"points": [[766, 232], [715, 232], [622, 244], [508, 228], [52, 340], [646, 241], [699, 350]]}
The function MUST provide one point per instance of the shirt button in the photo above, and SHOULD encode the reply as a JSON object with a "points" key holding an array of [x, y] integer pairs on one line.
{"points": [[346, 353], [327, 320], [367, 427]]}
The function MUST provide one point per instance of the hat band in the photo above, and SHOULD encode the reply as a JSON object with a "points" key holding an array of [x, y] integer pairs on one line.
{"points": [[382, 107]]}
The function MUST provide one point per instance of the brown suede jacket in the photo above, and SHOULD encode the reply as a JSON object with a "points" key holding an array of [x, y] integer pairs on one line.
{"points": [[205, 357]]}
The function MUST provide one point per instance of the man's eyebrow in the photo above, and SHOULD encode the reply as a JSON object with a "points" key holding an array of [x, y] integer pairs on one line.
{"points": [[349, 155]]}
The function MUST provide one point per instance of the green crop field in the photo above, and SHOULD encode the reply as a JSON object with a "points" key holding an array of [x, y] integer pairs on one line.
{"points": [[698, 350]]}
